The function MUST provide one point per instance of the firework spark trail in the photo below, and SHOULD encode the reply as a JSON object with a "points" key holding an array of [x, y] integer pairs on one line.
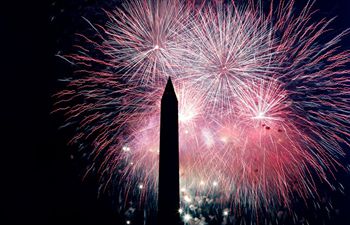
{"points": [[263, 98], [229, 48], [143, 39]]}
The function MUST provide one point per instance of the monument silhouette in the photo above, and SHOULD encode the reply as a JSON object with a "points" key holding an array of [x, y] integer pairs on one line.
{"points": [[168, 192]]}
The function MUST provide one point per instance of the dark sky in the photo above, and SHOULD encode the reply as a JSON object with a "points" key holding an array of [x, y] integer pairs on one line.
{"points": [[39, 182]]}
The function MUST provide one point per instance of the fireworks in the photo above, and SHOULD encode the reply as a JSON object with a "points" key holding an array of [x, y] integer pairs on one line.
{"points": [[143, 39], [263, 99]]}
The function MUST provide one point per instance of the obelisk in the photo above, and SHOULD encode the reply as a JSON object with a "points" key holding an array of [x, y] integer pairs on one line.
{"points": [[168, 192]]}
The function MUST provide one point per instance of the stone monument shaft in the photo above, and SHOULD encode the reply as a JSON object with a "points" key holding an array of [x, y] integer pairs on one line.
{"points": [[168, 192]]}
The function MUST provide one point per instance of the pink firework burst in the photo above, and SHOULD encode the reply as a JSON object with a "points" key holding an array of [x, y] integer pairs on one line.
{"points": [[263, 98], [142, 39]]}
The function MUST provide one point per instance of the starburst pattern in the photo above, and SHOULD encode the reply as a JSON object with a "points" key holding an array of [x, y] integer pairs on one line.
{"points": [[263, 98]]}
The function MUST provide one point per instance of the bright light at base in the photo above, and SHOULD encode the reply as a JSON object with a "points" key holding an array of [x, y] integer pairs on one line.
{"points": [[187, 217], [225, 213], [187, 199]]}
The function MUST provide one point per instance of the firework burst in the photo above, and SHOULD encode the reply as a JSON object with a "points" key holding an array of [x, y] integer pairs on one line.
{"points": [[263, 99], [142, 39]]}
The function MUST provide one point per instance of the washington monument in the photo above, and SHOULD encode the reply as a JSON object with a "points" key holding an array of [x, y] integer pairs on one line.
{"points": [[168, 193]]}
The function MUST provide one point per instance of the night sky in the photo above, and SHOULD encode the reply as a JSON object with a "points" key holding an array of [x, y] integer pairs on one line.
{"points": [[40, 183]]}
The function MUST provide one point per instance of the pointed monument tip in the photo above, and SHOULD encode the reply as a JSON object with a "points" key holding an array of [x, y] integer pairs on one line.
{"points": [[169, 88], [169, 84]]}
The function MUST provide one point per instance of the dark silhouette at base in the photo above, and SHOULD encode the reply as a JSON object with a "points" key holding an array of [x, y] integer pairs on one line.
{"points": [[169, 195]]}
